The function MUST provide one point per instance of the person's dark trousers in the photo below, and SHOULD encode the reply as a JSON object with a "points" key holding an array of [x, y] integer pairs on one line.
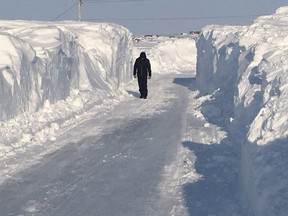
{"points": [[142, 82]]}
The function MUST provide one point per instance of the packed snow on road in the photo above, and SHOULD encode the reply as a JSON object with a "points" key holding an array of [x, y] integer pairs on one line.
{"points": [[210, 139]]}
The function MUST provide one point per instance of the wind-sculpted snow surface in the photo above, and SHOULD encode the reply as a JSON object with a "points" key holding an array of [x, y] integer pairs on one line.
{"points": [[43, 61], [245, 69]]}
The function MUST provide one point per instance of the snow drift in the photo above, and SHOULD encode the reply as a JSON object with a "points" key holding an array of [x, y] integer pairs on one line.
{"points": [[169, 54], [47, 61], [245, 70]]}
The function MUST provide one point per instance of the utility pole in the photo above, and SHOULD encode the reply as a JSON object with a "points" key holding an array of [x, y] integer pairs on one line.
{"points": [[79, 10]]}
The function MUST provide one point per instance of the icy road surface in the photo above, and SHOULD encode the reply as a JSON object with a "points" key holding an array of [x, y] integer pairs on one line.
{"points": [[136, 158]]}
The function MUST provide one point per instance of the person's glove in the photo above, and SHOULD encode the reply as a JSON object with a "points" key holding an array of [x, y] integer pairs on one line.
{"points": [[135, 76]]}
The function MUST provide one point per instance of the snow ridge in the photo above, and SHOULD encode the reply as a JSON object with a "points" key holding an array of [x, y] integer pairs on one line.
{"points": [[47, 61], [245, 71]]}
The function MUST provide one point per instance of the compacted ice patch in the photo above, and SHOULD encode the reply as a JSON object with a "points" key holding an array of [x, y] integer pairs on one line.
{"points": [[244, 69]]}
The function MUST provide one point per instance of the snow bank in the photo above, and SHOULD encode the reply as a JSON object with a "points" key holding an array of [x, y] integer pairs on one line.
{"points": [[60, 69], [169, 55], [46, 61], [245, 69]]}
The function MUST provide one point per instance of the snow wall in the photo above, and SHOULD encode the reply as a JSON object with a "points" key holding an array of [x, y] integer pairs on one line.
{"points": [[245, 70], [44, 62], [169, 54]]}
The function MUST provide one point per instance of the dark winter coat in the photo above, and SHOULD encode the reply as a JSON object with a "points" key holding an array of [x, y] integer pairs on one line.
{"points": [[142, 66]]}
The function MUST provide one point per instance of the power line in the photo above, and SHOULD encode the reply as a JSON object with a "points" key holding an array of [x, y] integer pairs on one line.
{"points": [[66, 11], [91, 1], [145, 19], [111, 1], [102, 1], [176, 18]]}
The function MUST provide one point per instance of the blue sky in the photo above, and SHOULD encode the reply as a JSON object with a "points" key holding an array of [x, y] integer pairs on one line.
{"points": [[145, 16]]}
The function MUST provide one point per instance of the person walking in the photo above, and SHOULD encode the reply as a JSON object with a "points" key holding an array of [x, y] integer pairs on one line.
{"points": [[142, 71]]}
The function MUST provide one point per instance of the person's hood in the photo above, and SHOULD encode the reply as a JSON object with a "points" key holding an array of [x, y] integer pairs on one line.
{"points": [[142, 55]]}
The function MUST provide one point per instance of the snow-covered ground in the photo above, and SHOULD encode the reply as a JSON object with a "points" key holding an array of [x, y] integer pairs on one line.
{"points": [[210, 139]]}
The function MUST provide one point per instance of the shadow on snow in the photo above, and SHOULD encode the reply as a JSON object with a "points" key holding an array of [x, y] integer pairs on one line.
{"points": [[215, 193], [134, 93], [189, 82]]}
